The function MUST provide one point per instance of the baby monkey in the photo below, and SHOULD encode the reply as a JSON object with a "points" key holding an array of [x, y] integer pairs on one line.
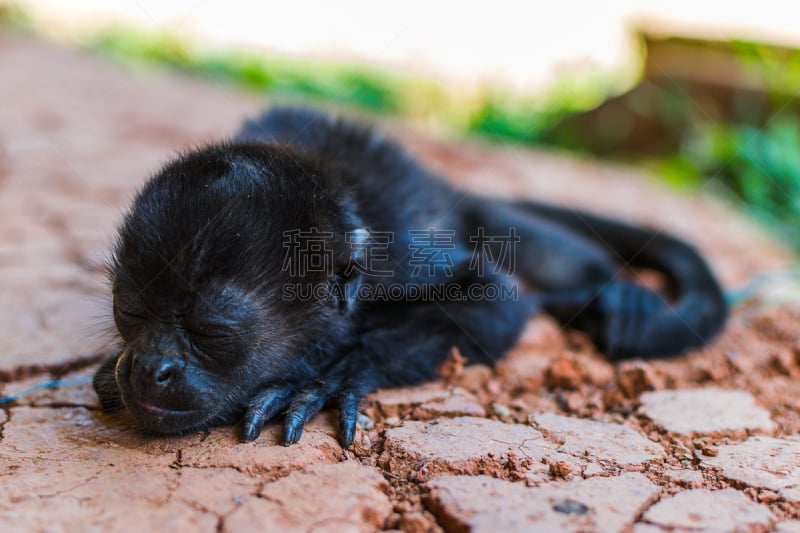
{"points": [[310, 260]]}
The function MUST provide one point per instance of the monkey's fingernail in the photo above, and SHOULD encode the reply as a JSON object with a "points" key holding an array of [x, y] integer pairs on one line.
{"points": [[347, 430], [250, 433], [348, 436], [348, 416], [292, 434]]}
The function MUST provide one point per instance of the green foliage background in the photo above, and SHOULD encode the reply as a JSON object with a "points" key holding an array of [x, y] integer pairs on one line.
{"points": [[756, 166]]}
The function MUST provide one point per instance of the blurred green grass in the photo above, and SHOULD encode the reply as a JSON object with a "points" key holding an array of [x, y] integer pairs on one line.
{"points": [[754, 160], [491, 112], [353, 85], [755, 165], [757, 168]]}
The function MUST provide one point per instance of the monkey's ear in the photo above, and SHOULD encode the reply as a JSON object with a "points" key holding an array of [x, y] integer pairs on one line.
{"points": [[347, 277], [344, 291], [358, 240]]}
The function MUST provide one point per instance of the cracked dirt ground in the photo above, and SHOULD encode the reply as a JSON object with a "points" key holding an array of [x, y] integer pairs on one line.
{"points": [[554, 438]]}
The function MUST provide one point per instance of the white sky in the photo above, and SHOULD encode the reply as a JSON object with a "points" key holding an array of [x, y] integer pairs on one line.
{"points": [[522, 43]]}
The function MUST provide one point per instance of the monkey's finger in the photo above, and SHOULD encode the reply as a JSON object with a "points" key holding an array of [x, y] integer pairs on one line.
{"points": [[261, 409], [348, 416], [628, 314], [641, 309], [637, 306], [303, 407], [615, 319]]}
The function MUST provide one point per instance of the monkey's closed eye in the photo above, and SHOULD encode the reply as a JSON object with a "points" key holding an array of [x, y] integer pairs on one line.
{"points": [[124, 315], [217, 330], [128, 323]]}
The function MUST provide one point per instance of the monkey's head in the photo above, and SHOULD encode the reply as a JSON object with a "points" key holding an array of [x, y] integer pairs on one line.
{"points": [[228, 274]]}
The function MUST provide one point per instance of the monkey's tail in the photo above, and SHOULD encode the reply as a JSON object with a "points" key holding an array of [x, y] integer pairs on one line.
{"points": [[699, 310]]}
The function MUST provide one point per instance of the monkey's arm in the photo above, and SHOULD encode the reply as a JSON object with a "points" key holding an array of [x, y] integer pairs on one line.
{"points": [[400, 344]]}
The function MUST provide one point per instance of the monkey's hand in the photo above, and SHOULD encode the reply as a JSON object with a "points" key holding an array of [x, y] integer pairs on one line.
{"points": [[628, 311], [346, 383], [618, 315], [105, 384]]}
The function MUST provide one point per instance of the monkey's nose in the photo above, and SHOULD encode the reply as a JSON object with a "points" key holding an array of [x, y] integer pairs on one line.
{"points": [[154, 373], [163, 373]]}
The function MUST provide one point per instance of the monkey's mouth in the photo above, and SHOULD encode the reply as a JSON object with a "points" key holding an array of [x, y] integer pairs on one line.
{"points": [[151, 417], [161, 411]]}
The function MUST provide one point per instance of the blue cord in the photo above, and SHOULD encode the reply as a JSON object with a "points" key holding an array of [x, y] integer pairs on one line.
{"points": [[46, 385]]}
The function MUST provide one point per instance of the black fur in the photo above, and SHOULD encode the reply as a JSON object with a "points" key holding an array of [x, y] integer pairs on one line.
{"points": [[207, 297]]}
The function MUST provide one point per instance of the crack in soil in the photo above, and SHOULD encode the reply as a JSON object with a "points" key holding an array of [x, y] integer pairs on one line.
{"points": [[57, 370]]}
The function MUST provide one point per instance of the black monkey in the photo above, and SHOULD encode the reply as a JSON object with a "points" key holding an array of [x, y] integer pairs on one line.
{"points": [[311, 260]]}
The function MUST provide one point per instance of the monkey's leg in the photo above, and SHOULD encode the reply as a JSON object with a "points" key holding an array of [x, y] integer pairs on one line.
{"points": [[647, 324], [547, 255], [618, 315], [400, 343], [576, 261], [574, 277]]}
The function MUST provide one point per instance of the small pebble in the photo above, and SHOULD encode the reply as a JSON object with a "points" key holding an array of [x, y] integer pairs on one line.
{"points": [[570, 507]]}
